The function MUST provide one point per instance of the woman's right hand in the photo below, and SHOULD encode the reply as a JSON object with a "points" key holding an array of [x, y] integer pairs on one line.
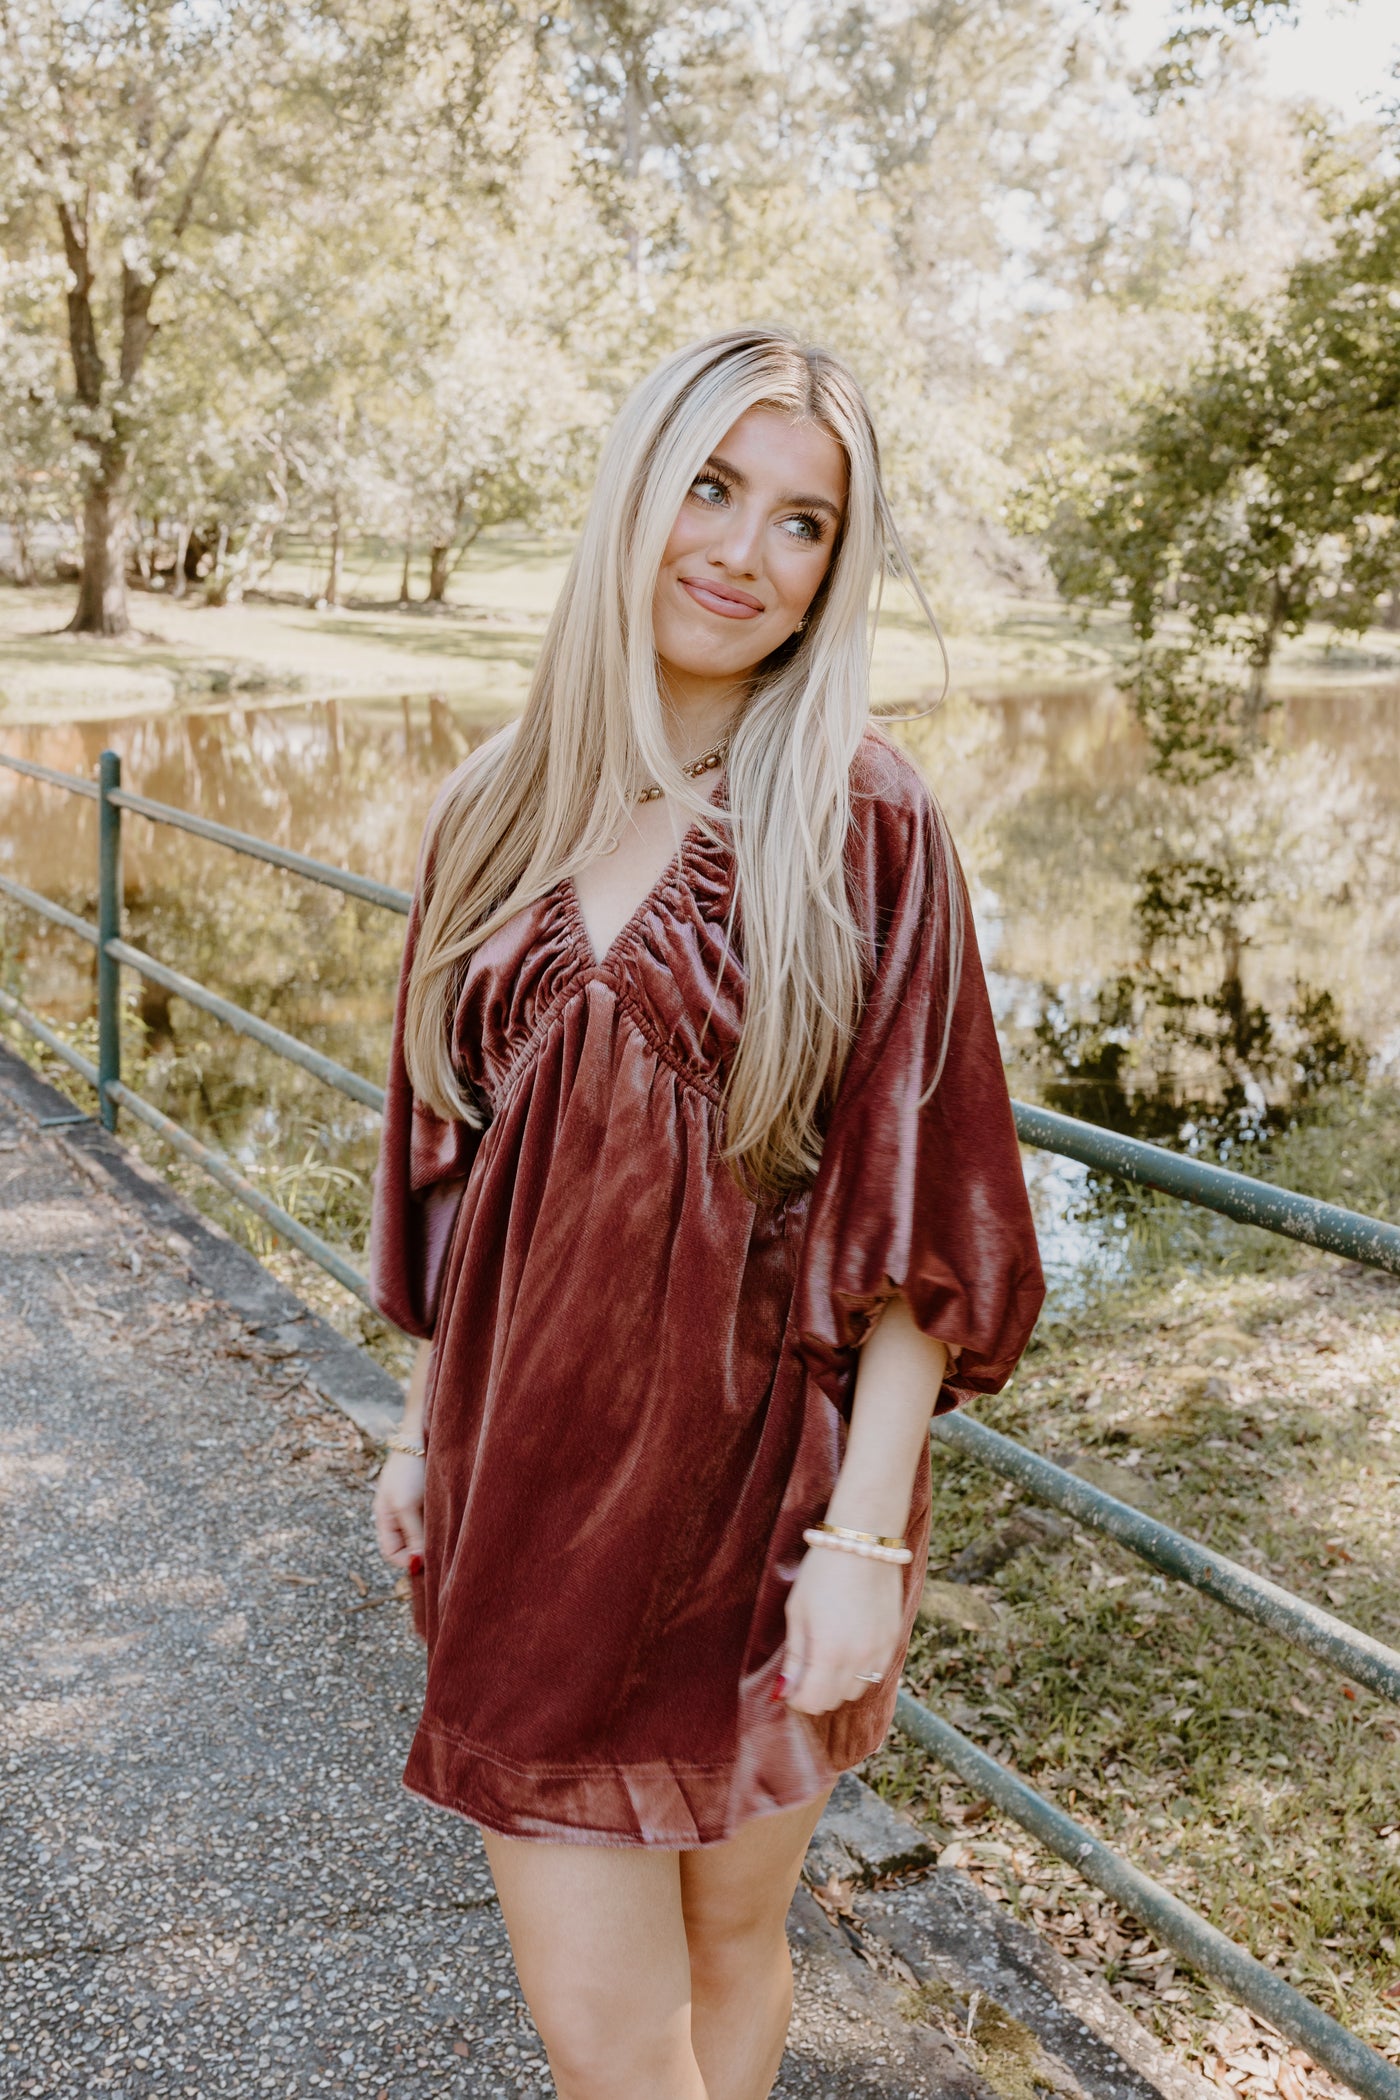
{"points": [[398, 1509]]}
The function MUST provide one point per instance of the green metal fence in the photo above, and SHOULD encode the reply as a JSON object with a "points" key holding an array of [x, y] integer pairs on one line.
{"points": [[1237, 1196]]}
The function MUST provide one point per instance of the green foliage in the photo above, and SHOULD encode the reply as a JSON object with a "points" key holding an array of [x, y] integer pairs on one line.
{"points": [[387, 271], [1259, 493]]}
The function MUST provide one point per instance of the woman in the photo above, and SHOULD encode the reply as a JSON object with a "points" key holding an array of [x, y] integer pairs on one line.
{"points": [[699, 1184]]}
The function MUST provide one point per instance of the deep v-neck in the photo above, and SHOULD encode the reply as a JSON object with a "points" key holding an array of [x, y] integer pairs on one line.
{"points": [[674, 870]]}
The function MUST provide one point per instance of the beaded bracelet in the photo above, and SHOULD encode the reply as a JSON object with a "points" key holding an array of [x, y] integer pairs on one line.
{"points": [[402, 1443], [868, 1545]]}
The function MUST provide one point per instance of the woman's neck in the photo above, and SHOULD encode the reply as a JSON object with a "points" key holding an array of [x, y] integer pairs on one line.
{"points": [[697, 711]]}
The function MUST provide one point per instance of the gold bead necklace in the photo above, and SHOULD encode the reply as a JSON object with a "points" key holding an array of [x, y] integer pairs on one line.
{"points": [[693, 767]]}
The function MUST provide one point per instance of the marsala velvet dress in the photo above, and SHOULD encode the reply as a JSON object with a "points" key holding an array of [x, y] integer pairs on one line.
{"points": [[640, 1380]]}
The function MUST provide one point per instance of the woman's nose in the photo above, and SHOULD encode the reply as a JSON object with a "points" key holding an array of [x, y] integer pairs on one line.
{"points": [[738, 541]]}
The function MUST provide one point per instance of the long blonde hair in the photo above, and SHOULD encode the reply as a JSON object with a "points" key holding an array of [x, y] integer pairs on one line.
{"points": [[540, 801]]}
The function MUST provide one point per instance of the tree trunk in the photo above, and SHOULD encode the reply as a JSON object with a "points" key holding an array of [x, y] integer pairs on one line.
{"points": [[221, 584], [19, 540], [182, 555], [101, 607], [439, 570], [331, 594], [405, 597]]}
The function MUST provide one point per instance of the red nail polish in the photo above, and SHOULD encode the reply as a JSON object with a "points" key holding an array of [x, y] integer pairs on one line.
{"points": [[415, 1563], [779, 1688]]}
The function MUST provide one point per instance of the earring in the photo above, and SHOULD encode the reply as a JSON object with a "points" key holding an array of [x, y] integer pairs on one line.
{"points": [[801, 627]]}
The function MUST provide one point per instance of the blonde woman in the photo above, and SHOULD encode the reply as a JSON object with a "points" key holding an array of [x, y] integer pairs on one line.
{"points": [[699, 1184]]}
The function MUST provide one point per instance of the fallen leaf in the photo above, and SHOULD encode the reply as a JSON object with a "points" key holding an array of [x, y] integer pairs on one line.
{"points": [[834, 1897]]}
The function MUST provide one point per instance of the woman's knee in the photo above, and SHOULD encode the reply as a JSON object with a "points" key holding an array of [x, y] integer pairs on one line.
{"points": [[738, 1939], [602, 2049]]}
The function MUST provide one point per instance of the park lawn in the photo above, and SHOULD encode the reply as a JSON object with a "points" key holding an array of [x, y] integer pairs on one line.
{"points": [[477, 651], [1257, 1410], [193, 656]]}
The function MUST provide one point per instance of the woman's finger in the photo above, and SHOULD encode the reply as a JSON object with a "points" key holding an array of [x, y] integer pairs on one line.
{"points": [[792, 1669], [398, 1509], [820, 1689], [388, 1535], [834, 1681], [792, 1663]]}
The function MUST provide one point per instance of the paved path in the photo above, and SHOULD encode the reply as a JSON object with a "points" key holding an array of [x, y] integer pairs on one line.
{"points": [[211, 1880]]}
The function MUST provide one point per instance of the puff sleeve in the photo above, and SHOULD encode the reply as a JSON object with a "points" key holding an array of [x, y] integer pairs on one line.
{"points": [[931, 1199], [421, 1172]]}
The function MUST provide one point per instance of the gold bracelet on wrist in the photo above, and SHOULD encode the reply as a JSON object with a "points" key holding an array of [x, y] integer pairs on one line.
{"points": [[864, 1538], [868, 1545], [397, 1441]]}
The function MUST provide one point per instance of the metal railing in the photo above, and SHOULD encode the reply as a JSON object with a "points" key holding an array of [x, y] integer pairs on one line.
{"points": [[1238, 1196], [114, 954]]}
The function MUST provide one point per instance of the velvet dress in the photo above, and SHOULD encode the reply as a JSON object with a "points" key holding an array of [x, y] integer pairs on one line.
{"points": [[640, 1378]]}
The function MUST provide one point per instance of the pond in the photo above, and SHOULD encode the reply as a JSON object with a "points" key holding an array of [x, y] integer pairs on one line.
{"points": [[1196, 966]]}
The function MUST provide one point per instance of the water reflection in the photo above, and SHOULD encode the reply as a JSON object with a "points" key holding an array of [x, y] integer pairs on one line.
{"points": [[1176, 1010]]}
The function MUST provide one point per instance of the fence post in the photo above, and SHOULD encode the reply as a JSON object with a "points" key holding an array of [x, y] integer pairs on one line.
{"points": [[109, 928]]}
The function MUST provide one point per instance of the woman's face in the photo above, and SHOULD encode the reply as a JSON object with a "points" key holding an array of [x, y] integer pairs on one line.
{"points": [[749, 548]]}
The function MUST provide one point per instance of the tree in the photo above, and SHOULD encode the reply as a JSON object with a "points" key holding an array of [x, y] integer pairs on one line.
{"points": [[36, 479], [144, 134], [1259, 494]]}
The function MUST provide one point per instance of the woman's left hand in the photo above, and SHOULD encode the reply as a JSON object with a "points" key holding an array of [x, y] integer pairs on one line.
{"points": [[844, 1615]]}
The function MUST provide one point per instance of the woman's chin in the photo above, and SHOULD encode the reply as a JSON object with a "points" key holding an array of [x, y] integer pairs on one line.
{"points": [[703, 666]]}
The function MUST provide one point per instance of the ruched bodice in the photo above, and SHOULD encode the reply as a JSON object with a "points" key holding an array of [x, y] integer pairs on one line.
{"points": [[640, 1377], [670, 974]]}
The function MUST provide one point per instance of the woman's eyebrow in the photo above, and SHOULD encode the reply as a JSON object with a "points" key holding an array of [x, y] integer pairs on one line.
{"points": [[741, 480]]}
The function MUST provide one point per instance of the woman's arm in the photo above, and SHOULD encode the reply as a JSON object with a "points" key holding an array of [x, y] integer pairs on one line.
{"points": [[844, 1613], [398, 1492]]}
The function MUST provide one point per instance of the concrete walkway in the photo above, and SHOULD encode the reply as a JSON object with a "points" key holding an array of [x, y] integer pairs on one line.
{"points": [[211, 1880]]}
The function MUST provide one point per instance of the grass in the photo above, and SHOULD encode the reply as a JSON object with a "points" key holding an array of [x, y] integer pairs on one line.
{"points": [[477, 651], [1257, 1411]]}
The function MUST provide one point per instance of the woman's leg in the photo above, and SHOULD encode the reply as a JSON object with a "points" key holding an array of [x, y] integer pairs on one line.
{"points": [[600, 1948], [735, 1899]]}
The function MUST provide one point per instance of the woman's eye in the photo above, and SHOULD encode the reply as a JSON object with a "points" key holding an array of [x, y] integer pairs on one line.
{"points": [[803, 527], [708, 490]]}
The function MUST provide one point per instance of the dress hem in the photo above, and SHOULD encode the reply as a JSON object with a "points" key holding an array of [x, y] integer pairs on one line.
{"points": [[581, 1834]]}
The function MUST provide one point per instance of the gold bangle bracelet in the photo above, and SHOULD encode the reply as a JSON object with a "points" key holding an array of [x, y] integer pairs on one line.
{"points": [[834, 1543], [397, 1442], [864, 1538]]}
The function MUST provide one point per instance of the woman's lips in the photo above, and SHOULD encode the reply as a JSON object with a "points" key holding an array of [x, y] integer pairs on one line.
{"points": [[722, 599]]}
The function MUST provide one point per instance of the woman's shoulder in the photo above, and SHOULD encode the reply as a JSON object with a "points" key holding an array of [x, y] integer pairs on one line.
{"points": [[891, 806], [882, 773]]}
